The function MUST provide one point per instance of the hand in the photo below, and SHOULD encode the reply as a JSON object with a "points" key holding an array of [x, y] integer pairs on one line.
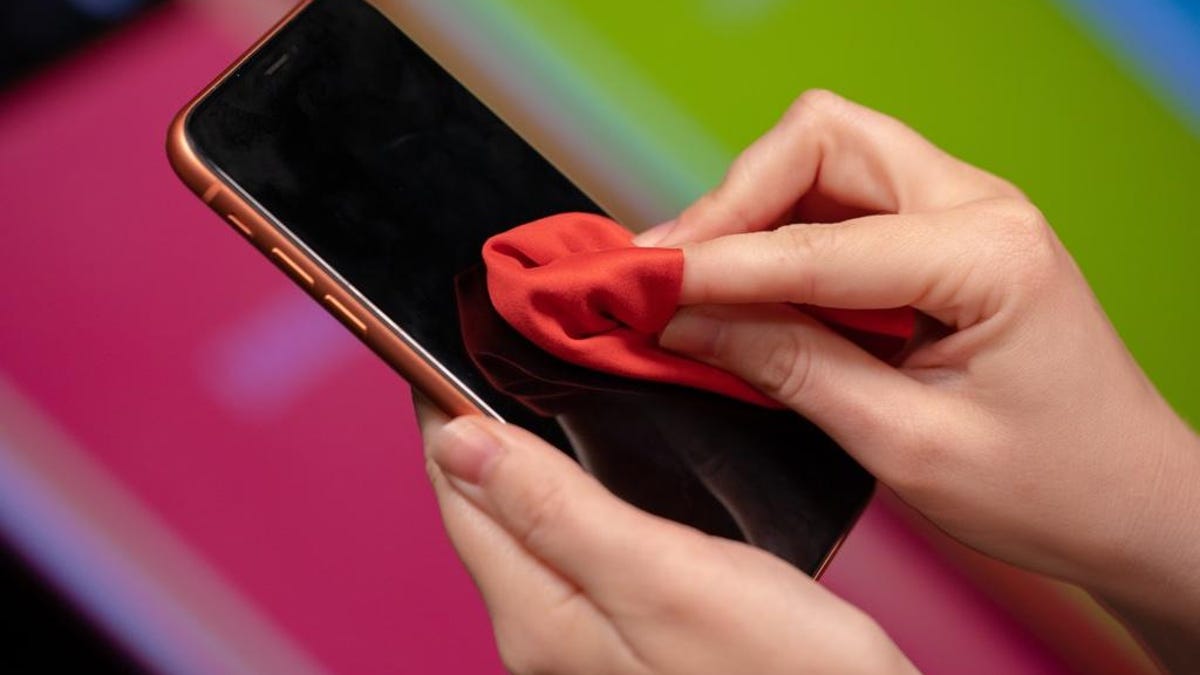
{"points": [[1023, 428], [577, 581]]}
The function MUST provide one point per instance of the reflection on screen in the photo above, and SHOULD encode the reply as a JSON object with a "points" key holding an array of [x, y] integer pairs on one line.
{"points": [[390, 171]]}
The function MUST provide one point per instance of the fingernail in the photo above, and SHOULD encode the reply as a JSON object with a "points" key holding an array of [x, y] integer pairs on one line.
{"points": [[654, 235], [463, 449], [691, 333]]}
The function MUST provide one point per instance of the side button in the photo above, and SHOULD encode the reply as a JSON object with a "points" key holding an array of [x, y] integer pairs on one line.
{"points": [[347, 316], [211, 193], [297, 270], [236, 222]]}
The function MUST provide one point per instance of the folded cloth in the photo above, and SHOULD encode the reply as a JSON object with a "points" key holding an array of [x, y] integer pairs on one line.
{"points": [[575, 285], [543, 383]]}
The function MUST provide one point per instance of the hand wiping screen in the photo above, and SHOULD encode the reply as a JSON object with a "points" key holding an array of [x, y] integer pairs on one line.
{"points": [[575, 285]]}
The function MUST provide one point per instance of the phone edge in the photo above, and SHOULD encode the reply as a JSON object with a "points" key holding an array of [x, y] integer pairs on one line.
{"points": [[295, 262]]}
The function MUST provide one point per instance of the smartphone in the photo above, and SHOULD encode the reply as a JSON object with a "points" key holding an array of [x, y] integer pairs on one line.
{"points": [[366, 172]]}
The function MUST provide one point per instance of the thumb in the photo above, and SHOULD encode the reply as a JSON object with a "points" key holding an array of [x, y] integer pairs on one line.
{"points": [[555, 511], [866, 405]]}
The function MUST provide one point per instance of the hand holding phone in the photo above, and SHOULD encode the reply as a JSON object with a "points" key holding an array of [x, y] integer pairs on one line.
{"points": [[577, 581]]}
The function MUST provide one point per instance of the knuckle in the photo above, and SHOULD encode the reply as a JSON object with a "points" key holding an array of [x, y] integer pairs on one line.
{"points": [[1023, 217], [786, 370], [542, 509], [813, 113], [798, 242], [1019, 224], [1022, 241], [721, 344], [1032, 243], [814, 104], [796, 247]]}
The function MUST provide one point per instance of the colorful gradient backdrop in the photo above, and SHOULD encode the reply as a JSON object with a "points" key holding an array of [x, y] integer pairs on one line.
{"points": [[251, 473]]}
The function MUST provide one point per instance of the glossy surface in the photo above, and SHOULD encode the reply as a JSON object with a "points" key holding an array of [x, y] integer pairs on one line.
{"points": [[377, 160]]}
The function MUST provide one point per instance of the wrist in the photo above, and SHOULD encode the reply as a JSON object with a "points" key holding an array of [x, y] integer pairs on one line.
{"points": [[1152, 578]]}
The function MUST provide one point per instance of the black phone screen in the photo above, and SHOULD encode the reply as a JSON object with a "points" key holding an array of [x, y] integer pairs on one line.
{"points": [[357, 143]]}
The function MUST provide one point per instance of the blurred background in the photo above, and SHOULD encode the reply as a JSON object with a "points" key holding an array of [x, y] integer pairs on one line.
{"points": [[201, 471]]}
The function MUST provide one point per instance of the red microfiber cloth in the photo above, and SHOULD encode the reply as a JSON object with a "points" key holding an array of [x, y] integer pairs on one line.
{"points": [[575, 285]]}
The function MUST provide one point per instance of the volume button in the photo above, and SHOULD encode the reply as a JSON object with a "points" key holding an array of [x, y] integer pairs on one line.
{"points": [[237, 222], [346, 315], [296, 270], [211, 193]]}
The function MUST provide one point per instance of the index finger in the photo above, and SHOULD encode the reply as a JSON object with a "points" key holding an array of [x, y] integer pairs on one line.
{"points": [[958, 266], [842, 152]]}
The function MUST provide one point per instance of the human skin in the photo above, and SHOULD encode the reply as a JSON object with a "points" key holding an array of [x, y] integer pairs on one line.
{"points": [[1020, 424]]}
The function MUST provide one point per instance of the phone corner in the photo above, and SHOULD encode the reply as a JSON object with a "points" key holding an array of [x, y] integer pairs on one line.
{"points": [[182, 156]]}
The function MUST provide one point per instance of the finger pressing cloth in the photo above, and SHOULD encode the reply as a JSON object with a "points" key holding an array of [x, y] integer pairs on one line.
{"points": [[575, 285]]}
